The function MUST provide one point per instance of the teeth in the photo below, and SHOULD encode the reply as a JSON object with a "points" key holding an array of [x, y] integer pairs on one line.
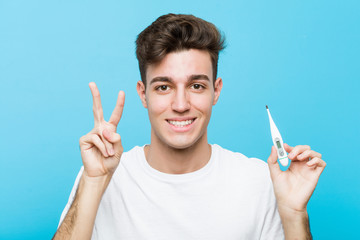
{"points": [[181, 123]]}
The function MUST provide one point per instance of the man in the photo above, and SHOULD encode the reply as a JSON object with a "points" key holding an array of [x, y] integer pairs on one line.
{"points": [[179, 186]]}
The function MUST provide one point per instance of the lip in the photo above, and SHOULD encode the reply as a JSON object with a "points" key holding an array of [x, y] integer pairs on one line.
{"points": [[180, 118], [178, 128]]}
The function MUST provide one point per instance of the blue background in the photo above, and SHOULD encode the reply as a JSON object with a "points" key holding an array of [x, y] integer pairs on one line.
{"points": [[299, 57]]}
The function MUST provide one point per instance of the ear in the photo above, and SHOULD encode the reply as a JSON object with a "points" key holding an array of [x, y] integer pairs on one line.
{"points": [[140, 88], [217, 89]]}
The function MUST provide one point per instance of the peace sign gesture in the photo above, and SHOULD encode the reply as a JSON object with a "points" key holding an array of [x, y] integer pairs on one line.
{"points": [[101, 148]]}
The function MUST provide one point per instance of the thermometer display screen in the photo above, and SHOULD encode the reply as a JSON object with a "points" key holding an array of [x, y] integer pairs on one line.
{"points": [[278, 144]]}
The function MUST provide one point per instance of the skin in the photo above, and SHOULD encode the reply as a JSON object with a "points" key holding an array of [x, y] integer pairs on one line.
{"points": [[101, 150], [180, 87], [294, 187]]}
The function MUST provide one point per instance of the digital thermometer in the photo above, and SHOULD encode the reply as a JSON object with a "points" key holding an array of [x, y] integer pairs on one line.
{"points": [[278, 142]]}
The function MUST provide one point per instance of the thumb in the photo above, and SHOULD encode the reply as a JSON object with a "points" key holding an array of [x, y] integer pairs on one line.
{"points": [[273, 164], [115, 139]]}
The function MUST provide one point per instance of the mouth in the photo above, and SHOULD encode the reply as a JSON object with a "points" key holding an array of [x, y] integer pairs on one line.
{"points": [[181, 123]]}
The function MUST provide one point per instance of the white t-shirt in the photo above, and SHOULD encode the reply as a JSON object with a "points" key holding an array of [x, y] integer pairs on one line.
{"points": [[231, 197]]}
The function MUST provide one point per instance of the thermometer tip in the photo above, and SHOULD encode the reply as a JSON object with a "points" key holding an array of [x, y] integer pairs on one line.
{"points": [[267, 107]]}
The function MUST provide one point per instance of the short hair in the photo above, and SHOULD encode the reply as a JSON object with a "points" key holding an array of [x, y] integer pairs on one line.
{"points": [[177, 32]]}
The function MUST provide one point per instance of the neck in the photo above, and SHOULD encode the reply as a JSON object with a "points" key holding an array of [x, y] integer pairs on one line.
{"points": [[167, 159]]}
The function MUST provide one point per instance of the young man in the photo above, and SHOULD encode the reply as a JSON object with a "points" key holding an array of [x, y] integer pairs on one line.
{"points": [[179, 186]]}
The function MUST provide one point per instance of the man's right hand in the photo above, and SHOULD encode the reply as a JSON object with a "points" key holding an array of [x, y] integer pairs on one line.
{"points": [[101, 151], [101, 148]]}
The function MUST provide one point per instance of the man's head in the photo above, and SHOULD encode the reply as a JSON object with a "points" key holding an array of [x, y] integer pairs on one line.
{"points": [[178, 57], [177, 32]]}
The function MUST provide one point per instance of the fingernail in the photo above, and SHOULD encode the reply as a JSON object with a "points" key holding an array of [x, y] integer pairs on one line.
{"points": [[111, 151], [105, 132], [291, 155]]}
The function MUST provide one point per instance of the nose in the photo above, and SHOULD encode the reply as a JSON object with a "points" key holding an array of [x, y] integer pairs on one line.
{"points": [[181, 102]]}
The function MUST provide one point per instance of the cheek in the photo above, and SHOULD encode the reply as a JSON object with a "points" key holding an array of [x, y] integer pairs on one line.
{"points": [[158, 104], [203, 102]]}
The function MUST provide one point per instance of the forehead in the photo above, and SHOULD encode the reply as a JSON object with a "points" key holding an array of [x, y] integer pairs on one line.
{"points": [[182, 64]]}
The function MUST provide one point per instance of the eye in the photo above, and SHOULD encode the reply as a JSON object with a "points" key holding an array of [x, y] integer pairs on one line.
{"points": [[197, 86], [162, 88]]}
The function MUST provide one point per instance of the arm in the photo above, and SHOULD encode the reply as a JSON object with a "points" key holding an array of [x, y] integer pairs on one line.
{"points": [[101, 150], [296, 224], [79, 221], [294, 187]]}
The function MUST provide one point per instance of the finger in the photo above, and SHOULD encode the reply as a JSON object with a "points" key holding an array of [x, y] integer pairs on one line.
{"points": [[97, 108], [316, 162], [117, 113], [297, 150], [273, 164], [308, 154], [95, 140], [287, 147], [115, 139], [108, 145]]}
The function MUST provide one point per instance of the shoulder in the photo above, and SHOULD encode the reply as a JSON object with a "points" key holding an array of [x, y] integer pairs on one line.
{"points": [[132, 153], [130, 156], [238, 163], [237, 158], [130, 164]]}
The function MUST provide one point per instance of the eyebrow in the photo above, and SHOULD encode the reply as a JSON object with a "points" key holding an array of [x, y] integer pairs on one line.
{"points": [[190, 78], [199, 77], [160, 79]]}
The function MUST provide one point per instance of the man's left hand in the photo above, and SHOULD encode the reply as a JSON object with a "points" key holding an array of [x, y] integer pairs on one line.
{"points": [[294, 187]]}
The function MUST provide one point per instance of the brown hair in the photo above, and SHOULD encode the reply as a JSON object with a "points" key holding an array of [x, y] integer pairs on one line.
{"points": [[176, 32]]}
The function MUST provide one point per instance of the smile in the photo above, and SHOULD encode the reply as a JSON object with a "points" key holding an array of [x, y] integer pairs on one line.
{"points": [[183, 123]]}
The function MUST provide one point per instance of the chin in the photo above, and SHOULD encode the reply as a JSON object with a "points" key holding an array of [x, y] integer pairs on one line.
{"points": [[181, 143], [180, 146]]}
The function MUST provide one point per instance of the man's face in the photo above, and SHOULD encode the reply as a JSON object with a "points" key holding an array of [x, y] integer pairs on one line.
{"points": [[179, 97]]}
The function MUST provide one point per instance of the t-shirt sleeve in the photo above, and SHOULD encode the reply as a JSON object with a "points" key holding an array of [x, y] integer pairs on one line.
{"points": [[272, 228], [72, 196]]}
